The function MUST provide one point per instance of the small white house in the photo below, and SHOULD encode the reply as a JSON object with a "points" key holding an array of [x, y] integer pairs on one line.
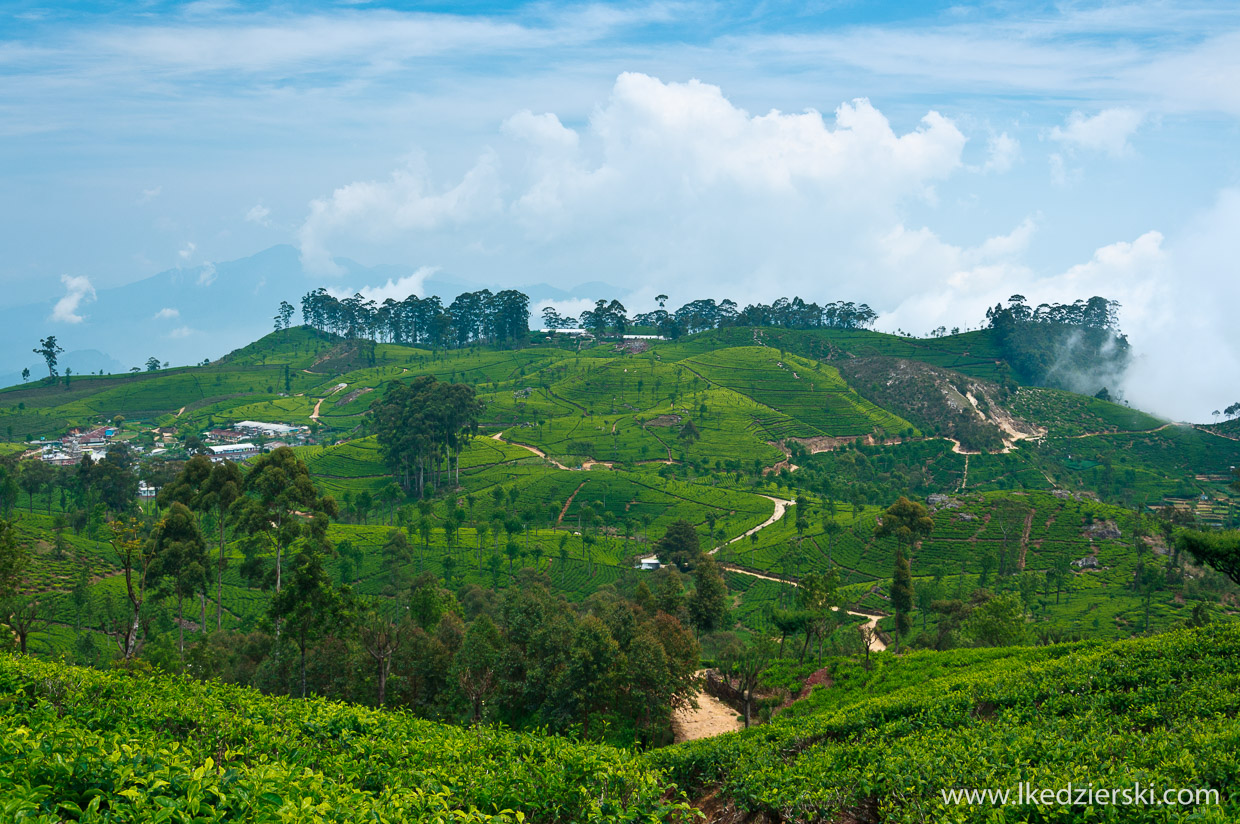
{"points": [[649, 562]]}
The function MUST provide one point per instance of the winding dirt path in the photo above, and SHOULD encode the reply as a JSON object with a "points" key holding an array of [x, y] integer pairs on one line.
{"points": [[314, 416], [568, 503], [1130, 431], [781, 506], [499, 436], [871, 618], [712, 717]]}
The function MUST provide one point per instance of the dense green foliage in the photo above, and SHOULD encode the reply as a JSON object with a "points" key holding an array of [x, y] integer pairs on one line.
{"points": [[94, 746], [884, 745]]}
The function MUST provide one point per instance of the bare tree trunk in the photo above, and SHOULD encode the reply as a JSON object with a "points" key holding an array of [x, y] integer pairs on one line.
{"points": [[133, 633], [219, 586], [383, 676]]}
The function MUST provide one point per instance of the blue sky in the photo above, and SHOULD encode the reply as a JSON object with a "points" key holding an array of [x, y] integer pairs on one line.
{"points": [[927, 158]]}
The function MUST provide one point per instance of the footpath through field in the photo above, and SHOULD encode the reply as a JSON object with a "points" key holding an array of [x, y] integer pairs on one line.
{"points": [[499, 436]]}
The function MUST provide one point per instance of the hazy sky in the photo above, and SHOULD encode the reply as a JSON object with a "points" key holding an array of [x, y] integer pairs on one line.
{"points": [[928, 159]]}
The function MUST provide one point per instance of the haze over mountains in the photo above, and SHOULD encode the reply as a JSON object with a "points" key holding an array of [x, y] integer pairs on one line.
{"points": [[184, 315]]}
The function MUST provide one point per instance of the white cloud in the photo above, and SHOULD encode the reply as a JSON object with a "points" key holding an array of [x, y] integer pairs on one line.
{"points": [[181, 332], [667, 180], [1177, 297], [398, 289], [206, 274], [1001, 152], [1108, 131], [259, 214], [167, 313], [409, 200], [78, 291], [188, 252], [150, 194], [569, 308]]}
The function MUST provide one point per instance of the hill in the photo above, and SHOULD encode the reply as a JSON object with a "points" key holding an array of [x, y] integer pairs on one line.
{"points": [[711, 429]]}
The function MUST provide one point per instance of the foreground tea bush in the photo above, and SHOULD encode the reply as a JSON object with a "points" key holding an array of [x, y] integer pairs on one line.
{"points": [[1161, 712], [89, 746]]}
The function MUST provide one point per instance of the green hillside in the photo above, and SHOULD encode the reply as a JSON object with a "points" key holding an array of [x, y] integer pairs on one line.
{"points": [[1049, 594]]}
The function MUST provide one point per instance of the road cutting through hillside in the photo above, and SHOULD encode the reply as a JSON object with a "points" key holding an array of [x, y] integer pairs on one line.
{"points": [[781, 506]]}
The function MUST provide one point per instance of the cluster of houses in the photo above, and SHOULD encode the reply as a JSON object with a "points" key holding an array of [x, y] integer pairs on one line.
{"points": [[239, 442], [242, 440], [76, 445]]}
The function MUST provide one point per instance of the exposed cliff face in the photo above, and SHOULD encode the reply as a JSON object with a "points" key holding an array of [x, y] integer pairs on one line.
{"points": [[941, 402]]}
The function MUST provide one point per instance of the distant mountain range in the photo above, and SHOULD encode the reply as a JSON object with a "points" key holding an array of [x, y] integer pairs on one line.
{"points": [[182, 316]]}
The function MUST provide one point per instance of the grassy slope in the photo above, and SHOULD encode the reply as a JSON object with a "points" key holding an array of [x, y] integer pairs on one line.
{"points": [[610, 406]]}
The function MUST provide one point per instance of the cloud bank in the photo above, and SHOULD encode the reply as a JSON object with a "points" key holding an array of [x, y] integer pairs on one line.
{"points": [[78, 292]]}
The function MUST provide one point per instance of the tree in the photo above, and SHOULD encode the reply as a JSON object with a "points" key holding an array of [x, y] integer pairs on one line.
{"points": [[179, 566], [49, 349], [1151, 581], [26, 373], [902, 597], [906, 521], [998, 622], [421, 425], [310, 603], [1220, 550], [381, 637], [212, 489], [152, 364], [745, 661], [477, 665], [34, 476], [277, 496], [14, 559], [136, 554], [679, 546], [708, 605]]}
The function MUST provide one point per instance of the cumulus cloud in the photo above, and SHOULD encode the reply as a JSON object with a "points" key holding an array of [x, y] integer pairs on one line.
{"points": [[408, 200], [396, 289], [666, 180], [167, 313], [78, 292], [1108, 131], [259, 214]]}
